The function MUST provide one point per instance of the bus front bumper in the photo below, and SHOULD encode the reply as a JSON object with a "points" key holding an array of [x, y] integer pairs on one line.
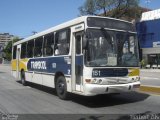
{"points": [[95, 89]]}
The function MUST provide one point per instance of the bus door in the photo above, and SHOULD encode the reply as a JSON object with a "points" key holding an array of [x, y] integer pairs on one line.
{"points": [[77, 58], [18, 61], [78, 61]]}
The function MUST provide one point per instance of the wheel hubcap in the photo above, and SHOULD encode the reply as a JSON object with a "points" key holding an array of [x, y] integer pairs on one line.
{"points": [[61, 87]]}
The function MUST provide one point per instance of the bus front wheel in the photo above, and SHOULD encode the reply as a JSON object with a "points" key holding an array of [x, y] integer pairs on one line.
{"points": [[61, 88]]}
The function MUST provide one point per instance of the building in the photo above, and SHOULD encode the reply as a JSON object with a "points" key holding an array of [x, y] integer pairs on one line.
{"points": [[148, 30], [4, 39]]}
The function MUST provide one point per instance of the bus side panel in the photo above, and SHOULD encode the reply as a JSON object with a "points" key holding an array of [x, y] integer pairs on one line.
{"points": [[50, 65], [13, 67], [37, 78], [69, 85], [23, 67], [28, 76], [43, 70], [23, 64], [48, 80]]}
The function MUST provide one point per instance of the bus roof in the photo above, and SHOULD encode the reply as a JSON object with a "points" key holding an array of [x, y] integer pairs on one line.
{"points": [[63, 25]]}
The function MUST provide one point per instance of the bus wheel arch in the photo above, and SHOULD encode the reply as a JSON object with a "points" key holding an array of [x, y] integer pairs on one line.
{"points": [[61, 86]]}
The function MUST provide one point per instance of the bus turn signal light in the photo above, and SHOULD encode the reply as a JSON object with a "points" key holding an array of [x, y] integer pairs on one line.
{"points": [[88, 80]]}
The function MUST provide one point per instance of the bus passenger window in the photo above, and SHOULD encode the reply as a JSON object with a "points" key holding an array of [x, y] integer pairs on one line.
{"points": [[14, 52], [48, 45], [23, 50], [62, 42], [38, 47], [30, 48]]}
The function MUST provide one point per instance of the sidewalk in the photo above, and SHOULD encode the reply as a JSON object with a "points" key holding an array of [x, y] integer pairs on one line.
{"points": [[150, 70]]}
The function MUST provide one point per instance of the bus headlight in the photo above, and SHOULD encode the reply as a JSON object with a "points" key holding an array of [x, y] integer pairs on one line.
{"points": [[137, 78], [99, 81], [94, 81]]}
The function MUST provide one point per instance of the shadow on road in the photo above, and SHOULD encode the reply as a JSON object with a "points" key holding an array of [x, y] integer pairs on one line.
{"points": [[1, 72], [41, 88], [109, 100], [99, 100]]}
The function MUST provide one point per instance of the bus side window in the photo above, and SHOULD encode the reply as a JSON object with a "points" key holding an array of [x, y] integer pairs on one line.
{"points": [[38, 47], [23, 50], [30, 48], [48, 45], [14, 52], [62, 42]]}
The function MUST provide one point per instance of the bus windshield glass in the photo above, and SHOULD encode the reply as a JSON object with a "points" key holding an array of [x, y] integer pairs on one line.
{"points": [[111, 48], [110, 23]]}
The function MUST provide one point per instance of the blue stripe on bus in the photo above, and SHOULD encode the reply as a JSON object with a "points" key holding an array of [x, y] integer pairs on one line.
{"points": [[53, 64]]}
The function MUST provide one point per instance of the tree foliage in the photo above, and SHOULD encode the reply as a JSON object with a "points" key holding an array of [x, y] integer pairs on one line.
{"points": [[111, 8], [8, 49], [89, 8]]}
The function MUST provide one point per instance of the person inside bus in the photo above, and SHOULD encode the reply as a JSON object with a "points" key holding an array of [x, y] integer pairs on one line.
{"points": [[56, 50], [128, 58]]}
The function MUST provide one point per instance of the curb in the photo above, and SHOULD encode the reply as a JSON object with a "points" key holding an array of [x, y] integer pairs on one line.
{"points": [[152, 89]]}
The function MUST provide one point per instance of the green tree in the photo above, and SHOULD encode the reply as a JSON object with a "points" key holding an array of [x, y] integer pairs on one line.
{"points": [[8, 49], [104, 6], [111, 8], [89, 8], [125, 8]]}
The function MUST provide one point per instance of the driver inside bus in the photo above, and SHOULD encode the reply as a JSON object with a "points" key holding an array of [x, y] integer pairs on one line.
{"points": [[128, 58]]}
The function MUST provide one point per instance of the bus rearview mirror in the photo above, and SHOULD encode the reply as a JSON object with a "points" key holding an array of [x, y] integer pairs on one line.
{"points": [[84, 42]]}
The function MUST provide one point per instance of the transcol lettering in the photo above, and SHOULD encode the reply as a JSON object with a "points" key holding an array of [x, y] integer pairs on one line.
{"points": [[38, 65]]}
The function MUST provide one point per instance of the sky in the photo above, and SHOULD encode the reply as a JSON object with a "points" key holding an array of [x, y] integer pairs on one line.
{"points": [[22, 17]]}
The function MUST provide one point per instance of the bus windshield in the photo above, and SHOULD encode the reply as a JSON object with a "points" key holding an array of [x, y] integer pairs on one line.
{"points": [[111, 48]]}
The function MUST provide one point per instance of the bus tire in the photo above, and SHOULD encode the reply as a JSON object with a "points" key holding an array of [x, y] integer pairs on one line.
{"points": [[23, 81], [61, 88]]}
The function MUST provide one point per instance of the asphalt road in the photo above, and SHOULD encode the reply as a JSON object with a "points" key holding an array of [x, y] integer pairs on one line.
{"points": [[150, 77], [35, 99]]}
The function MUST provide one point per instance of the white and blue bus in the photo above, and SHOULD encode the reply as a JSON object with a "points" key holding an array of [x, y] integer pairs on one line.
{"points": [[88, 56]]}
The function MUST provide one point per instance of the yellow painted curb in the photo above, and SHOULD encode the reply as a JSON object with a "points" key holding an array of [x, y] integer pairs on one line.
{"points": [[153, 89]]}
